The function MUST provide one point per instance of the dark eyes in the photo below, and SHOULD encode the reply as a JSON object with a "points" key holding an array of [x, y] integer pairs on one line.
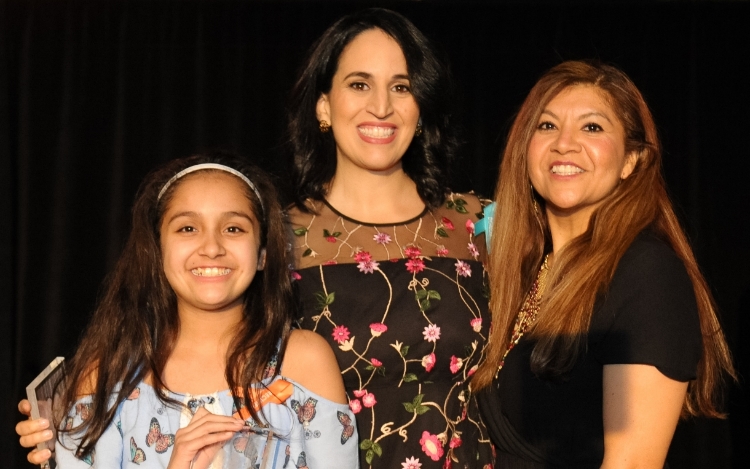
{"points": [[545, 126], [592, 127], [192, 229], [589, 127], [361, 86]]}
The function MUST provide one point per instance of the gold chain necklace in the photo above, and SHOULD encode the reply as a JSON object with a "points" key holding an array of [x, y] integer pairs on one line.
{"points": [[529, 311]]}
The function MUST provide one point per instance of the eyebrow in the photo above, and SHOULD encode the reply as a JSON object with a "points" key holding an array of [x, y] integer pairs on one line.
{"points": [[224, 215], [582, 117], [368, 76]]}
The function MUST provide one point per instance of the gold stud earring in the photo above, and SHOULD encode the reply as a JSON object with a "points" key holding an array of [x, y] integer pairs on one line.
{"points": [[418, 130], [324, 126]]}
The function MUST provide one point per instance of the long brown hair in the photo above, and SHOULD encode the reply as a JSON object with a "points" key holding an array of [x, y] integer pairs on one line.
{"points": [[584, 268], [135, 325]]}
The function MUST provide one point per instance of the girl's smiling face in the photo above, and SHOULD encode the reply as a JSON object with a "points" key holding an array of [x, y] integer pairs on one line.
{"points": [[577, 155], [210, 242]]}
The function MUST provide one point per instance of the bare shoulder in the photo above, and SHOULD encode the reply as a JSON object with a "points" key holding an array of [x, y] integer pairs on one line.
{"points": [[88, 380], [310, 361]]}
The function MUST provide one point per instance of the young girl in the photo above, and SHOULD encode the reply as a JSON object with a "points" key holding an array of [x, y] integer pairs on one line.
{"points": [[189, 361]]}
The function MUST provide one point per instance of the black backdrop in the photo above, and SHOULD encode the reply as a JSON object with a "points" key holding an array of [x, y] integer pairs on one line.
{"points": [[94, 93]]}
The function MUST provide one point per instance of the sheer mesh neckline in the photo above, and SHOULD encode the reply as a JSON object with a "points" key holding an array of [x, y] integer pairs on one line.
{"points": [[324, 236], [350, 219]]}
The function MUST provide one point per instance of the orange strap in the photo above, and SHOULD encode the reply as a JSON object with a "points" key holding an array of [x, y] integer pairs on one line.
{"points": [[276, 393]]}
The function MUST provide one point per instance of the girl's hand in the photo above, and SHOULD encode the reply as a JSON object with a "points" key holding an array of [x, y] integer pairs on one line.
{"points": [[196, 445], [33, 432]]}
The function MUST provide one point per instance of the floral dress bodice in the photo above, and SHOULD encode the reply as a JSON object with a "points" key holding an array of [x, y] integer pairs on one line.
{"points": [[404, 308]]}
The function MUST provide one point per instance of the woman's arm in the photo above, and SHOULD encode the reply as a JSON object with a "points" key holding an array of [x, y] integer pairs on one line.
{"points": [[33, 431], [641, 409]]}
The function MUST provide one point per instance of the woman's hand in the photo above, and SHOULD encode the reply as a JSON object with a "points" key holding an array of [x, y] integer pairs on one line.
{"points": [[33, 432], [641, 409], [196, 445]]}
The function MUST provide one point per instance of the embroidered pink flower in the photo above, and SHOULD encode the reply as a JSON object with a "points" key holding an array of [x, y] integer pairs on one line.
{"points": [[330, 262], [455, 442], [473, 250], [296, 275], [472, 370], [431, 446], [476, 324], [428, 362], [415, 265], [362, 256], [368, 400], [470, 227], [431, 333], [441, 251], [412, 251], [411, 463], [448, 463], [463, 269], [355, 405], [448, 224], [456, 364], [368, 267], [375, 362], [359, 392], [382, 238], [340, 334], [377, 328], [331, 239]]}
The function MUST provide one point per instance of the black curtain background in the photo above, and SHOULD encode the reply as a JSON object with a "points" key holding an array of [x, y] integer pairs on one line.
{"points": [[93, 94]]}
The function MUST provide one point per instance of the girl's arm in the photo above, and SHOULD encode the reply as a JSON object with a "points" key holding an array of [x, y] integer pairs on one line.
{"points": [[310, 362], [641, 410], [33, 431]]}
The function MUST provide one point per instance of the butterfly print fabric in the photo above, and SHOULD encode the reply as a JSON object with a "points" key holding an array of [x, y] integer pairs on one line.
{"points": [[305, 430]]}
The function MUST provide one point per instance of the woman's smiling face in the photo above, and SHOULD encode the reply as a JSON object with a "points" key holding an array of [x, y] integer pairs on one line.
{"points": [[372, 112], [577, 155], [210, 242]]}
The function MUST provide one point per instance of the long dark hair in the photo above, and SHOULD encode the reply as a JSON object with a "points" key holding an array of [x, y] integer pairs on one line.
{"points": [[586, 265], [428, 158], [135, 325]]}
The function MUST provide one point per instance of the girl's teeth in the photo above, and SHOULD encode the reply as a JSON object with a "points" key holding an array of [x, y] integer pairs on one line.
{"points": [[566, 169], [210, 272]]}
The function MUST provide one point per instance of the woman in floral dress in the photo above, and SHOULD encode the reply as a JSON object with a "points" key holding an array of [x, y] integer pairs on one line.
{"points": [[388, 267]]}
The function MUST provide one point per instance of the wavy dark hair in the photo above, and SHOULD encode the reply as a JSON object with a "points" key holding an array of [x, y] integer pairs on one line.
{"points": [[429, 156], [584, 268], [135, 325]]}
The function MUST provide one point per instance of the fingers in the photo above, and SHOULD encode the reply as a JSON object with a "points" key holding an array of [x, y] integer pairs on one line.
{"points": [[205, 434], [24, 406], [199, 441], [208, 425], [33, 432], [39, 456]]}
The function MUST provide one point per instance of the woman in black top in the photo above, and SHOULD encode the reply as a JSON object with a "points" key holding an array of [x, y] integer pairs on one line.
{"points": [[609, 333]]}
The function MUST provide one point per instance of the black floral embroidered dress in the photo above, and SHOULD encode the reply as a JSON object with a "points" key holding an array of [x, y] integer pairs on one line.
{"points": [[404, 309]]}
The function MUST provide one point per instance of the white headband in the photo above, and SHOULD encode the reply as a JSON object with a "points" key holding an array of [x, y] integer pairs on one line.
{"points": [[220, 167]]}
